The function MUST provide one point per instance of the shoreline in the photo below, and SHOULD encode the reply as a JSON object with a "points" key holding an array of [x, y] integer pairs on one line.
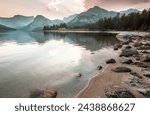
{"points": [[108, 81]]}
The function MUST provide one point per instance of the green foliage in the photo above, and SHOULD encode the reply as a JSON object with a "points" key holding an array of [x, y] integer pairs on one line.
{"points": [[133, 21], [55, 27]]}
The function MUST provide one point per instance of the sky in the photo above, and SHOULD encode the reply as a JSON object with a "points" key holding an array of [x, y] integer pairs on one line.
{"points": [[57, 9]]}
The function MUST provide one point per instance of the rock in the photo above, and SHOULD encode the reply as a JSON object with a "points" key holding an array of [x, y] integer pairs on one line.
{"points": [[145, 52], [137, 58], [121, 69], [141, 64], [137, 44], [117, 46], [120, 93], [126, 42], [110, 61], [147, 44], [144, 48], [44, 93], [145, 58], [49, 93], [79, 75], [127, 61], [35, 93], [136, 74], [147, 75], [99, 67], [128, 47], [136, 82], [144, 91], [129, 52]]}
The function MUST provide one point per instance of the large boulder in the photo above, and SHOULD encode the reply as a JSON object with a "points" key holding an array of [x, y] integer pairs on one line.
{"points": [[110, 61], [129, 52], [145, 58], [43, 93], [121, 69]]}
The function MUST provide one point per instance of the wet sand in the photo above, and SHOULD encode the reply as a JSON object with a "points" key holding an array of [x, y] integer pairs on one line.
{"points": [[108, 81]]}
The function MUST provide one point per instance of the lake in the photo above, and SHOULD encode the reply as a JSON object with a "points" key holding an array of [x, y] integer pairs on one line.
{"points": [[31, 60]]}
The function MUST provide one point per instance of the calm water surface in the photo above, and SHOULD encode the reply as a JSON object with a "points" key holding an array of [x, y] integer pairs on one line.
{"points": [[31, 60]]}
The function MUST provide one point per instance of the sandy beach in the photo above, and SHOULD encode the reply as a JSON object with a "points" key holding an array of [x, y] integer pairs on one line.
{"points": [[108, 82]]}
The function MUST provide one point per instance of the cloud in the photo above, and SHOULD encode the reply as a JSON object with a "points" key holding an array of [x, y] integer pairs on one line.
{"points": [[117, 4], [65, 7]]}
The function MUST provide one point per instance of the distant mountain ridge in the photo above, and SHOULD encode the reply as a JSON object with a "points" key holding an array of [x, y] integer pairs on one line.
{"points": [[31, 23], [16, 22], [94, 14]]}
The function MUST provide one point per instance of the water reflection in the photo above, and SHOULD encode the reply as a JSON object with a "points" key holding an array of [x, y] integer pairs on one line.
{"points": [[30, 60]]}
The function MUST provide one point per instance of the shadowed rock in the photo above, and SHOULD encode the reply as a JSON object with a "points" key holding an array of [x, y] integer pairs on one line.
{"points": [[120, 93], [121, 69], [145, 92], [128, 47], [127, 61], [144, 48], [129, 52], [137, 44], [147, 75], [110, 61], [135, 74], [117, 46], [126, 42], [145, 58], [141, 64], [99, 67]]}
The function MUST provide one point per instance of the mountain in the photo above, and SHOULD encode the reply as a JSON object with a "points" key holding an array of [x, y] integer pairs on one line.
{"points": [[4, 28], [129, 11], [41, 21], [69, 18], [17, 21], [91, 16]]}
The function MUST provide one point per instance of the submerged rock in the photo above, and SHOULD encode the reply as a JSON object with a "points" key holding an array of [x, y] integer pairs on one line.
{"points": [[129, 52], [35, 93], [44, 93], [127, 61], [117, 46], [109, 61], [122, 69], [79, 75], [99, 67]]}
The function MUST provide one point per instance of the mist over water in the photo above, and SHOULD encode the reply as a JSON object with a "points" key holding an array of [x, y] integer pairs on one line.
{"points": [[31, 60]]}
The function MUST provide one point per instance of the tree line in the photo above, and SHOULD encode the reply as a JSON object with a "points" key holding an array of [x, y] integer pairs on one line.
{"points": [[133, 21]]}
